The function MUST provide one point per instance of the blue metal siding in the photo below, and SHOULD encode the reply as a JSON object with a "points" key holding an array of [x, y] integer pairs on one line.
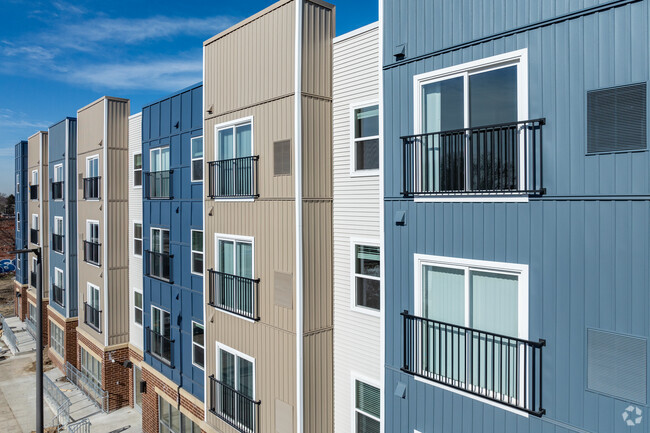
{"points": [[21, 197], [587, 241], [62, 150], [172, 122]]}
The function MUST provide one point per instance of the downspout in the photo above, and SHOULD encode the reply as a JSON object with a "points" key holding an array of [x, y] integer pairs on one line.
{"points": [[298, 216], [66, 204], [104, 202]]}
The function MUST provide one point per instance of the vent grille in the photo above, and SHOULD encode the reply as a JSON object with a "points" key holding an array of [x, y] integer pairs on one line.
{"points": [[282, 158], [283, 289], [616, 119], [616, 365]]}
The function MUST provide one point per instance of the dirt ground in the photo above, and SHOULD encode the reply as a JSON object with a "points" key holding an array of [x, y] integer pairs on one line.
{"points": [[7, 295]]}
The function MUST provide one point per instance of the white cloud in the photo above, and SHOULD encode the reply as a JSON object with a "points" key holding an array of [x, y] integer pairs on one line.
{"points": [[14, 119]]}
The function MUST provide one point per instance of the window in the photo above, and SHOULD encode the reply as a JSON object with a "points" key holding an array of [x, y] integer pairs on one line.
{"points": [[367, 284], [57, 235], [58, 225], [91, 308], [237, 372], [17, 184], [137, 307], [57, 289], [91, 244], [33, 312], [235, 141], [235, 259], [159, 176], [18, 261], [198, 345], [34, 236], [234, 173], [159, 260], [93, 296], [34, 221], [197, 159], [171, 420], [18, 221], [58, 173], [34, 177], [91, 181], [57, 339], [137, 239], [92, 231], [487, 92], [137, 170], [197, 252], [91, 367], [472, 304], [92, 167], [365, 138], [160, 343], [367, 404]]}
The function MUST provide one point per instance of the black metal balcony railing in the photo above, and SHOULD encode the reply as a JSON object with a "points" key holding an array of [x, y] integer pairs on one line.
{"points": [[33, 192], [57, 190], [57, 243], [159, 265], [496, 367], [235, 408], [158, 184], [233, 178], [58, 294], [160, 347], [91, 252], [91, 188], [33, 236], [92, 316], [502, 159], [235, 294], [32, 279]]}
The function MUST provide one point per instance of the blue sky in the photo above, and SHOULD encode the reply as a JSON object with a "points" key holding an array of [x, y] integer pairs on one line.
{"points": [[57, 56]]}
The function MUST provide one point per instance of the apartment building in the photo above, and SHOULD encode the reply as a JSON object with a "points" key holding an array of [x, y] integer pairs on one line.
{"points": [[136, 333], [102, 224], [356, 231], [171, 249], [21, 282], [38, 211], [268, 221], [516, 209], [62, 220]]}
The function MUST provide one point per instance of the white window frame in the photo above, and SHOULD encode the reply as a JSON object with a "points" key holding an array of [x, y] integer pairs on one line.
{"points": [[355, 377], [35, 177], [518, 58], [17, 184], [34, 264], [18, 261], [196, 344], [136, 170], [234, 238], [192, 159], [58, 271], [421, 260], [160, 229], [18, 221], [88, 224], [88, 159], [35, 218], [193, 251], [55, 178], [238, 354], [55, 231], [353, 141], [141, 239], [85, 367], [228, 125], [354, 242], [89, 288], [141, 308], [59, 344]]}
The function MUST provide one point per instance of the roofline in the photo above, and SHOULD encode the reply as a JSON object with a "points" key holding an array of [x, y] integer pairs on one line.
{"points": [[260, 14], [112, 98], [132, 116], [63, 120], [356, 32], [37, 133], [178, 92]]}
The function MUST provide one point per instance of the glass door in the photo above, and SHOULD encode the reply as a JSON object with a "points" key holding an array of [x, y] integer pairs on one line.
{"points": [[159, 176]]}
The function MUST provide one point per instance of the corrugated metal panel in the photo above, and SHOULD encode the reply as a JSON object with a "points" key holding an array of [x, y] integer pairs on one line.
{"points": [[318, 32], [317, 148], [135, 214], [355, 215], [319, 394]]}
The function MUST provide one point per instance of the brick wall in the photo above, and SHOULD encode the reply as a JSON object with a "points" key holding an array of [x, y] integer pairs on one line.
{"points": [[46, 327], [135, 359]]}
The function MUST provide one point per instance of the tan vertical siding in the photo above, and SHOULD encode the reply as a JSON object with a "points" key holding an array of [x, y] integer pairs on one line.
{"points": [[316, 148], [319, 395], [318, 32]]}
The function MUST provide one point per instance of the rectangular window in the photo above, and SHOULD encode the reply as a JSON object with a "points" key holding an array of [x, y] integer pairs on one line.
{"points": [[137, 307], [235, 371], [137, 239], [58, 173], [236, 287], [58, 225], [91, 367], [367, 404], [92, 309], [91, 181], [137, 170], [34, 221], [366, 138], [235, 141], [198, 344], [57, 289], [171, 420], [159, 176], [234, 173], [18, 221], [159, 260], [91, 244], [92, 167], [34, 177], [197, 159], [57, 339], [18, 261], [197, 252], [367, 281], [160, 344], [17, 184]]}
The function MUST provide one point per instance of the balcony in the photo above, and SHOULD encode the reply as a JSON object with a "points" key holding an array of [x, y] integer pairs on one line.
{"points": [[33, 236], [233, 178], [33, 192], [495, 367], [158, 266], [91, 253], [58, 295], [158, 185], [91, 188], [92, 316], [32, 279], [500, 159], [57, 243], [57, 190], [160, 347], [235, 294], [233, 407]]}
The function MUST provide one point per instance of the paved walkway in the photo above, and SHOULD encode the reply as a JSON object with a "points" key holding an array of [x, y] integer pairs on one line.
{"points": [[24, 339]]}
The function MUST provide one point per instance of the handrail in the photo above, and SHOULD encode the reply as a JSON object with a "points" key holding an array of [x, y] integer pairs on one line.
{"points": [[61, 401], [160, 347], [92, 317], [233, 407], [233, 293], [159, 184], [233, 178], [97, 395], [9, 333]]}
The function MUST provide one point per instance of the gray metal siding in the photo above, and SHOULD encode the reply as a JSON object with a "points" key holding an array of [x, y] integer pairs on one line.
{"points": [[586, 241]]}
